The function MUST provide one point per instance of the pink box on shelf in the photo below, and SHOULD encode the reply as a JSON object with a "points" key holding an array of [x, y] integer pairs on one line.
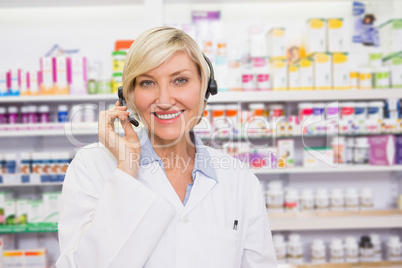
{"points": [[77, 75], [382, 150]]}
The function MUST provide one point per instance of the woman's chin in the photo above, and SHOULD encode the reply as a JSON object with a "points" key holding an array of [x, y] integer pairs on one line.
{"points": [[169, 134]]}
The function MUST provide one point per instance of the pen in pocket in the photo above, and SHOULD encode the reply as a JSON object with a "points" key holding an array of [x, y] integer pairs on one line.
{"points": [[235, 225]]}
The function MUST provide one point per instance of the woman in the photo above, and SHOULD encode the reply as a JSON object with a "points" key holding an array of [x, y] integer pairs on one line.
{"points": [[161, 198]]}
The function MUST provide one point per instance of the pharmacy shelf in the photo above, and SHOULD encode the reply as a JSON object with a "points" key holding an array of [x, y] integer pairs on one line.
{"points": [[58, 98], [383, 264], [300, 95], [30, 228], [331, 220], [50, 129], [2, 185], [337, 169], [236, 96]]}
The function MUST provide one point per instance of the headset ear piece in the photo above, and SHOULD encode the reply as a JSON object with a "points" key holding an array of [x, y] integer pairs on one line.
{"points": [[213, 87]]}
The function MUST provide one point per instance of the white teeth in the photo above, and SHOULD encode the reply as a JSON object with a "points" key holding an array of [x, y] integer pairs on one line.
{"points": [[168, 116]]}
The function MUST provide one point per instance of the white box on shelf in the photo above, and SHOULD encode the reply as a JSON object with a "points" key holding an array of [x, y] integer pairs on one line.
{"points": [[340, 71], [322, 70], [315, 36], [21, 214], [335, 35], [51, 206], [276, 40], [35, 211], [35, 258], [318, 157], [391, 36]]}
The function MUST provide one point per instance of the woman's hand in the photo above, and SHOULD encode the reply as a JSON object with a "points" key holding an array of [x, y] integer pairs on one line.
{"points": [[126, 150]]}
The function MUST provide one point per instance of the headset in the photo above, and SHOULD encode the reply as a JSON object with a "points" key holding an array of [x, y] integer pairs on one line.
{"points": [[212, 89]]}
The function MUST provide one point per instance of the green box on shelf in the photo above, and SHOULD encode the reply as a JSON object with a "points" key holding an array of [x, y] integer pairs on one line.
{"points": [[4, 195], [394, 62]]}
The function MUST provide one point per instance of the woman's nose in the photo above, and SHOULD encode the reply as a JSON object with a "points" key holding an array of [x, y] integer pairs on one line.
{"points": [[165, 96]]}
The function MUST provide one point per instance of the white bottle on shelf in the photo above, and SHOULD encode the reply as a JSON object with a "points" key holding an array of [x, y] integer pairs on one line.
{"points": [[375, 240], [280, 248], [318, 251], [337, 200], [351, 199], [366, 199], [351, 250], [366, 249], [322, 200], [274, 198], [295, 249], [307, 200], [394, 249], [291, 200], [336, 251]]}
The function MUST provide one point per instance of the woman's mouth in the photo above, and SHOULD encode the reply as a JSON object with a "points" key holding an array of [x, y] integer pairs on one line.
{"points": [[168, 115]]}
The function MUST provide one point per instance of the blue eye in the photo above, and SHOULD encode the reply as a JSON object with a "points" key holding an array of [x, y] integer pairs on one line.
{"points": [[181, 80], [146, 83]]}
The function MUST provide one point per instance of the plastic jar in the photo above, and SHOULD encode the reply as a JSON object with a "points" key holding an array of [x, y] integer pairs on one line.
{"points": [[366, 249], [365, 80], [118, 60], [10, 163], [62, 111], [366, 199], [32, 114], [322, 200], [276, 111], [332, 110], [361, 151], [25, 160], [263, 82], [3, 117], [291, 200], [307, 200], [12, 115], [117, 81], [375, 110], [354, 79], [350, 145], [275, 197], [339, 148], [24, 114], [337, 201], [280, 248], [394, 248], [375, 240], [336, 251], [351, 199], [347, 111], [305, 110], [43, 114], [351, 250], [381, 77], [248, 82], [295, 249], [318, 253], [360, 110]]}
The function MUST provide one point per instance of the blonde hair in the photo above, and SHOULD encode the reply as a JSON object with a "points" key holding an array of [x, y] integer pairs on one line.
{"points": [[154, 47]]}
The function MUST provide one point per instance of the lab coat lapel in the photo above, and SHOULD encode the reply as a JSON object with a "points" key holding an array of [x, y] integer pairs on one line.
{"points": [[202, 186], [153, 176]]}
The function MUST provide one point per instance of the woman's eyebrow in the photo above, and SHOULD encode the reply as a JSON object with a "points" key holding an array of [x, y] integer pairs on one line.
{"points": [[146, 75], [181, 71]]}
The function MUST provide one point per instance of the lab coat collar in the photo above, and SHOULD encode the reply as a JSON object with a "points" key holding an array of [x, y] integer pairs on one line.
{"points": [[201, 162]]}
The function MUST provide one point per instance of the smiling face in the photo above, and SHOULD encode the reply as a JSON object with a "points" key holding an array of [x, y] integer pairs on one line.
{"points": [[167, 98]]}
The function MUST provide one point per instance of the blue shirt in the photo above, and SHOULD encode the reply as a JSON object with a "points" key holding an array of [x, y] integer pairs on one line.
{"points": [[201, 161]]}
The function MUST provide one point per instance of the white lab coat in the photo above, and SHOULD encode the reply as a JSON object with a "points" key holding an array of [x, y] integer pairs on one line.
{"points": [[110, 219]]}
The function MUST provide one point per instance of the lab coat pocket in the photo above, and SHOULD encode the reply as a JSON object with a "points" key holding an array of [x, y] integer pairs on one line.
{"points": [[225, 245]]}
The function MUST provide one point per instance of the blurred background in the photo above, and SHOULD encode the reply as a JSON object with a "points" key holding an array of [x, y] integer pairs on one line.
{"points": [[309, 98]]}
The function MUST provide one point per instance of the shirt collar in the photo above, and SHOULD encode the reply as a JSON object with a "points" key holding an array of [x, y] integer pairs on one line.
{"points": [[201, 161]]}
